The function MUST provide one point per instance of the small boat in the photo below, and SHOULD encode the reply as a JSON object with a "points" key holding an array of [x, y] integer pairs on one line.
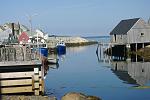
{"points": [[61, 48], [40, 47]]}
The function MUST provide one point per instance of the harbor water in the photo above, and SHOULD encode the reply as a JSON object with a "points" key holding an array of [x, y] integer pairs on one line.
{"points": [[82, 70]]}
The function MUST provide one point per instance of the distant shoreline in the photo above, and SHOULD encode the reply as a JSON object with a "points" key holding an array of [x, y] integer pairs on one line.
{"points": [[103, 36], [96, 37]]}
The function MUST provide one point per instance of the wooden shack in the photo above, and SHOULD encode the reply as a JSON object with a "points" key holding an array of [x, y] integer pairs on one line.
{"points": [[131, 33]]}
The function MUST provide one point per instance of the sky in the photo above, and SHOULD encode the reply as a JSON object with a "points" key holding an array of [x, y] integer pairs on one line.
{"points": [[73, 17]]}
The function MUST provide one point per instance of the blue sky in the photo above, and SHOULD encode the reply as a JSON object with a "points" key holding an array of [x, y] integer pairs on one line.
{"points": [[73, 17]]}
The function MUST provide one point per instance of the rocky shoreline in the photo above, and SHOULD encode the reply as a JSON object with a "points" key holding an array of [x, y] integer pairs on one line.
{"points": [[69, 41], [81, 44]]}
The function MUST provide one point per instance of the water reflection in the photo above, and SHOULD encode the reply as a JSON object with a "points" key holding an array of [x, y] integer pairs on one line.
{"points": [[102, 57], [56, 66], [58, 57], [134, 70], [61, 57], [76, 49], [83, 72]]}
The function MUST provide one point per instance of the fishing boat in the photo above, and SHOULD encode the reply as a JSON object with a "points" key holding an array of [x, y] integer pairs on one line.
{"points": [[39, 45], [41, 48], [61, 48]]}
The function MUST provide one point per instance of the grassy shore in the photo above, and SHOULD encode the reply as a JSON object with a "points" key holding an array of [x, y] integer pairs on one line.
{"points": [[144, 53]]}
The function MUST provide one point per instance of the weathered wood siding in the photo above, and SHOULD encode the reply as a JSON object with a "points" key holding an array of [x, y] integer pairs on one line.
{"points": [[139, 33], [121, 39], [21, 77]]}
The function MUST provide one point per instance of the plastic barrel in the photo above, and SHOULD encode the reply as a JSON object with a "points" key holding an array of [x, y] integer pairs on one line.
{"points": [[44, 51]]}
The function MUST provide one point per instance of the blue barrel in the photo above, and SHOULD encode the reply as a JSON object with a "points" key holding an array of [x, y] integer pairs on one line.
{"points": [[44, 51]]}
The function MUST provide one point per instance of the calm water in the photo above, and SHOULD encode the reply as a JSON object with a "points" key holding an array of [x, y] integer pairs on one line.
{"points": [[81, 70]]}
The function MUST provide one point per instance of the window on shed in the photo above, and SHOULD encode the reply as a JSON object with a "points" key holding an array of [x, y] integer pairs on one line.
{"points": [[142, 34]]}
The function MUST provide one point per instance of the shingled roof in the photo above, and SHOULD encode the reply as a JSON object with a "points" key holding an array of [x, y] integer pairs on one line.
{"points": [[124, 26]]}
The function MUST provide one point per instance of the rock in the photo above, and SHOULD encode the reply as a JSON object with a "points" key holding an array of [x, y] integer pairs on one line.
{"points": [[93, 98], [78, 96], [22, 97]]}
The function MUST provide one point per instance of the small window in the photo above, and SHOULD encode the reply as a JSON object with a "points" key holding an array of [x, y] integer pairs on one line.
{"points": [[142, 34]]}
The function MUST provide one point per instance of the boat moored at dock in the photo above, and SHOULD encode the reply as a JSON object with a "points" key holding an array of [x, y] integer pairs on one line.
{"points": [[61, 48]]}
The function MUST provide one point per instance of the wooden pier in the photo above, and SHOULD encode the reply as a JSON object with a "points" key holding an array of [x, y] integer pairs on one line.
{"points": [[21, 77], [21, 71]]}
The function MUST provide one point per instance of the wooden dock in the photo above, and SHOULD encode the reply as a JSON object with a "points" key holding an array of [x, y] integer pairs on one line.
{"points": [[21, 77], [21, 71]]}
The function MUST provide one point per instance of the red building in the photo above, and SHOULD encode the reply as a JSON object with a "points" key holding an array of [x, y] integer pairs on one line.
{"points": [[23, 38]]}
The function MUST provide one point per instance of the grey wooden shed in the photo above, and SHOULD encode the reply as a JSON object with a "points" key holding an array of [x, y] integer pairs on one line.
{"points": [[133, 33]]}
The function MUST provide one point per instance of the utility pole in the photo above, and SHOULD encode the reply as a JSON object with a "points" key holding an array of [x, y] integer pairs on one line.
{"points": [[30, 17]]}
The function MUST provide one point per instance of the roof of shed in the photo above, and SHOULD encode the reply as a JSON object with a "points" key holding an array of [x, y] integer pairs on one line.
{"points": [[124, 26]]}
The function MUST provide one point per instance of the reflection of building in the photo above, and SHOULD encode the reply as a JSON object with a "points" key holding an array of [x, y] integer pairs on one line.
{"points": [[139, 71], [130, 71]]}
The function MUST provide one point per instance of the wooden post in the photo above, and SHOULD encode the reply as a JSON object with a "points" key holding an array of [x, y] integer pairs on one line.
{"points": [[5, 54], [124, 51], [136, 47], [0, 54], [100, 50], [36, 81], [23, 53], [42, 78], [15, 55], [110, 49], [143, 45]]}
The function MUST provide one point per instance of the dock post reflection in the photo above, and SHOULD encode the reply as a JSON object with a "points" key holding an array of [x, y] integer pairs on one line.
{"points": [[100, 53]]}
